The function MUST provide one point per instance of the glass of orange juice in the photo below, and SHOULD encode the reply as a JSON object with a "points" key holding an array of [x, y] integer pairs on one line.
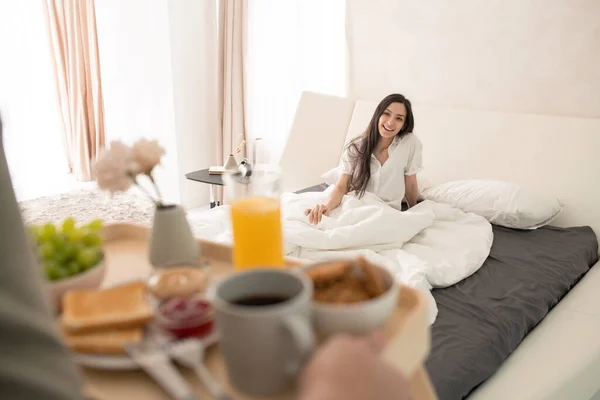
{"points": [[256, 217]]}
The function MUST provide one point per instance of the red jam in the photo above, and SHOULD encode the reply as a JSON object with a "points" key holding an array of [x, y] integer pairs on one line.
{"points": [[186, 317]]}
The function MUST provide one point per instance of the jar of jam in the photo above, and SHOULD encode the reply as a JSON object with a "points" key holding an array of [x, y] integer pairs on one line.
{"points": [[183, 309], [186, 317]]}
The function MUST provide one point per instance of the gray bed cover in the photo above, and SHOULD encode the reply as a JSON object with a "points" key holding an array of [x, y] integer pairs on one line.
{"points": [[483, 318]]}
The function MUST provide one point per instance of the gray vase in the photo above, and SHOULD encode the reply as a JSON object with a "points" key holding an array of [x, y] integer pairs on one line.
{"points": [[171, 238], [231, 163]]}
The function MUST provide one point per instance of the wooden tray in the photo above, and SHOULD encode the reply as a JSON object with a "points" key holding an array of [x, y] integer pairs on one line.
{"points": [[127, 259]]}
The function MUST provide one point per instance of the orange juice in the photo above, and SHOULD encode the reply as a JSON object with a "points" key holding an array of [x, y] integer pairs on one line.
{"points": [[257, 233]]}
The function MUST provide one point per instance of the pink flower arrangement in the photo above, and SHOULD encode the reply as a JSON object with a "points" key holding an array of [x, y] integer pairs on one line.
{"points": [[119, 166]]}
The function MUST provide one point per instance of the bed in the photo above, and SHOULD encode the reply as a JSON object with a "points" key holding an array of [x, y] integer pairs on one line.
{"points": [[526, 325], [483, 318]]}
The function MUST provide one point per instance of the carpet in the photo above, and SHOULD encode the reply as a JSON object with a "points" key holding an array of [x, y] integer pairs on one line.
{"points": [[86, 205]]}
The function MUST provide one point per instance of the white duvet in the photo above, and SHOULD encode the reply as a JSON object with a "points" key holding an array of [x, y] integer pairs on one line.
{"points": [[431, 245]]}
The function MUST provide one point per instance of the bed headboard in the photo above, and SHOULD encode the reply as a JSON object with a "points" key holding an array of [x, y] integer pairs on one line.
{"points": [[552, 153]]}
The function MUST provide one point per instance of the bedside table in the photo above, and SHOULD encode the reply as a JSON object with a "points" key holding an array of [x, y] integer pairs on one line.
{"points": [[213, 180]]}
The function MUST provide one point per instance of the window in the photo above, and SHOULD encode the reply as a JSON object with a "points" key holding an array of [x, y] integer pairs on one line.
{"points": [[293, 46], [33, 134]]}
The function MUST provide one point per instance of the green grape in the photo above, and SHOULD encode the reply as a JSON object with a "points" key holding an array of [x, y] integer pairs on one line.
{"points": [[96, 225], [71, 251], [47, 233], [88, 257], [92, 239], [99, 255], [60, 257], [45, 251], [73, 267], [59, 241], [68, 225], [52, 271], [75, 236]]}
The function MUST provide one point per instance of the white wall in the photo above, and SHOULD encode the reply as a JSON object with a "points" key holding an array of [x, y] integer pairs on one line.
{"points": [[536, 56], [158, 78]]}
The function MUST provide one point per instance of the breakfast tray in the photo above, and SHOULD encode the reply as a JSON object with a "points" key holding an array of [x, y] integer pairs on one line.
{"points": [[126, 252]]}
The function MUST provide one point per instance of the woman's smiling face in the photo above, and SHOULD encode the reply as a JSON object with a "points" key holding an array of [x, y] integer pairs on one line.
{"points": [[392, 120]]}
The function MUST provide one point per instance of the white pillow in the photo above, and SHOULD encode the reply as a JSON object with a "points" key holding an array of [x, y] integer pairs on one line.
{"points": [[501, 203]]}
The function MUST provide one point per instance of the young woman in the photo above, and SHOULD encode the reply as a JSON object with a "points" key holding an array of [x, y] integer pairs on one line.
{"points": [[384, 160]]}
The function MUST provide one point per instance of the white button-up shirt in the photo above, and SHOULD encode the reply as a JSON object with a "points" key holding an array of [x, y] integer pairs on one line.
{"points": [[387, 180]]}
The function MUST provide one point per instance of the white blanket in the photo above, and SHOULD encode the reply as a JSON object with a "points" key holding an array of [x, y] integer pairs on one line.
{"points": [[430, 245]]}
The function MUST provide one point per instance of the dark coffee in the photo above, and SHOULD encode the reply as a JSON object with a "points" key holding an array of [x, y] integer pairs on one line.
{"points": [[260, 300]]}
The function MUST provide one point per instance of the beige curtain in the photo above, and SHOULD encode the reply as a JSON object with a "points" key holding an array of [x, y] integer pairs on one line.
{"points": [[74, 45], [232, 37]]}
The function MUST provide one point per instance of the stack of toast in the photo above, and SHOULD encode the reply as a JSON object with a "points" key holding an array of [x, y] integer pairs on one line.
{"points": [[103, 320]]}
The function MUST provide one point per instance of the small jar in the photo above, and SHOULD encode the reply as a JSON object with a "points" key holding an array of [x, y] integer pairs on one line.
{"points": [[185, 317], [183, 308], [178, 281]]}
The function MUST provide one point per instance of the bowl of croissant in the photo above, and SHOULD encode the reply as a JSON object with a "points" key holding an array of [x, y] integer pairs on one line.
{"points": [[351, 296]]}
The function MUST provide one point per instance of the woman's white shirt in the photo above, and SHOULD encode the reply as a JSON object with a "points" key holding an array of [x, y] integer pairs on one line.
{"points": [[387, 180]]}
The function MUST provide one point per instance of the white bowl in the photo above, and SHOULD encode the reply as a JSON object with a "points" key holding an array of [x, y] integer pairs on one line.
{"points": [[355, 318], [90, 279]]}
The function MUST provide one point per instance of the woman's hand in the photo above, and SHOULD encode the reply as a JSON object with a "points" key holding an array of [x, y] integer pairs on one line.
{"points": [[316, 214], [334, 200]]}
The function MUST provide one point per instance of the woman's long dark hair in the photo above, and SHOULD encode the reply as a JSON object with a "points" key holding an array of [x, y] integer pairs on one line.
{"points": [[361, 148]]}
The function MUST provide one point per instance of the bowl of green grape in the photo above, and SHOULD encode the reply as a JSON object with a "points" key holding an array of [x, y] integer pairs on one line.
{"points": [[70, 256]]}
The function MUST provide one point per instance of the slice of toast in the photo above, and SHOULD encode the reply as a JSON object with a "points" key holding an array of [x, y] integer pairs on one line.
{"points": [[117, 307], [331, 272], [103, 342]]}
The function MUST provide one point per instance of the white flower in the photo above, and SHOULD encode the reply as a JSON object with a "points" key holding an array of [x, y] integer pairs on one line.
{"points": [[147, 155], [114, 167]]}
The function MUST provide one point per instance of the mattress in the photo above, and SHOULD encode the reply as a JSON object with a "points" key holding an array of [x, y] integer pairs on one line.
{"points": [[483, 318]]}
